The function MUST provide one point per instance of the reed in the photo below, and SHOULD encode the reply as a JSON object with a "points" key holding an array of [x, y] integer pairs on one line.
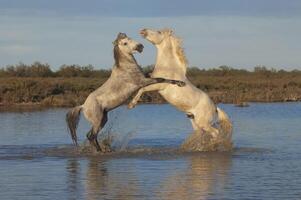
{"points": [[223, 84]]}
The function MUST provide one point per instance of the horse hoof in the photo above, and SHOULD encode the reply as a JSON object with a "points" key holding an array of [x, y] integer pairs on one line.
{"points": [[131, 105], [181, 83]]}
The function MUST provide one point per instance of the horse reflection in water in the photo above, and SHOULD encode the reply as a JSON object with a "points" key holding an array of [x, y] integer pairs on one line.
{"points": [[73, 179], [200, 176], [206, 174], [101, 182]]}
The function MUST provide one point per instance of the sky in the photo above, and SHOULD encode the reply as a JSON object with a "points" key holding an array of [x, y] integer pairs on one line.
{"points": [[237, 33]]}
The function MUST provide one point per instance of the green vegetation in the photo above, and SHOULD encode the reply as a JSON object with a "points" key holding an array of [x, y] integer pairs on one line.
{"points": [[37, 84], [38, 69]]}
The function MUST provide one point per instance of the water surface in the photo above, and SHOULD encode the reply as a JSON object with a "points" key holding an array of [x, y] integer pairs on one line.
{"points": [[38, 162]]}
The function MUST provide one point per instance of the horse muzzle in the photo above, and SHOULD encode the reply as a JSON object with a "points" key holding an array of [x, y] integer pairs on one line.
{"points": [[143, 33], [139, 48]]}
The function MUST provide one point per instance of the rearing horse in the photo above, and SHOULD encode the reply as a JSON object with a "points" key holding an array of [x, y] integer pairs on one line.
{"points": [[171, 64], [126, 78]]}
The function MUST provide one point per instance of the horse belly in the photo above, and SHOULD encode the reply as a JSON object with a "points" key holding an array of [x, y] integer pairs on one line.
{"points": [[114, 98], [180, 97]]}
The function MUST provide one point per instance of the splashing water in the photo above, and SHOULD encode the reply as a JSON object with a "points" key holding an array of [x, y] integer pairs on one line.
{"points": [[110, 139], [204, 141]]}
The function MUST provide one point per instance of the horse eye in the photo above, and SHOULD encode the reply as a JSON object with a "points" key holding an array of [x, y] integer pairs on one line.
{"points": [[125, 43]]}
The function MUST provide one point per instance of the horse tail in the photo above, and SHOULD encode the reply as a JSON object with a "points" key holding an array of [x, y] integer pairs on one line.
{"points": [[224, 122], [72, 119]]}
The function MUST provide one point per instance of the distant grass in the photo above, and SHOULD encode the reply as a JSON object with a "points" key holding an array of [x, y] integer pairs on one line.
{"points": [[224, 84], [47, 91]]}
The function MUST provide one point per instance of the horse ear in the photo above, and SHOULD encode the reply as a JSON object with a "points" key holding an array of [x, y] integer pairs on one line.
{"points": [[121, 35], [170, 32]]}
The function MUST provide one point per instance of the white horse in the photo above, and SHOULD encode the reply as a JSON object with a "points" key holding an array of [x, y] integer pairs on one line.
{"points": [[171, 63]]}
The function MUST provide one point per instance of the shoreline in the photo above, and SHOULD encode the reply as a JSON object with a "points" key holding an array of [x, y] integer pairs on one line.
{"points": [[32, 107], [21, 93]]}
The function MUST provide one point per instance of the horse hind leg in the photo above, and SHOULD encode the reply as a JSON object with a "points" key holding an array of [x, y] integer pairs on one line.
{"points": [[194, 126], [204, 127], [106, 143], [97, 118], [93, 133], [92, 137]]}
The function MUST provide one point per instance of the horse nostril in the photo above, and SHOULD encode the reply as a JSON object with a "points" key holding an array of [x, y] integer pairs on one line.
{"points": [[139, 47], [143, 32]]}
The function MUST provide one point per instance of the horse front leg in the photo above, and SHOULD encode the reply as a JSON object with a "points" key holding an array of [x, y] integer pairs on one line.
{"points": [[170, 81], [149, 88]]}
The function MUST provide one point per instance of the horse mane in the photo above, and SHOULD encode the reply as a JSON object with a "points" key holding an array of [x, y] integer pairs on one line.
{"points": [[178, 47], [116, 49], [116, 52], [179, 50]]}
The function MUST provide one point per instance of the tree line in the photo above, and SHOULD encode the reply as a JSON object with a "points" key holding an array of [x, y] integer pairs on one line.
{"points": [[38, 69]]}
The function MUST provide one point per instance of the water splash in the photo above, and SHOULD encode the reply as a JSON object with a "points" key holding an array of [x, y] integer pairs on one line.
{"points": [[204, 141]]}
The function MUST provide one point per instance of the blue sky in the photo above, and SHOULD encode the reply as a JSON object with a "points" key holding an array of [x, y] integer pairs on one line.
{"points": [[238, 33]]}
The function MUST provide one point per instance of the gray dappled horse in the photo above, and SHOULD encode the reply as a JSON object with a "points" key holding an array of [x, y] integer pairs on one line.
{"points": [[126, 78]]}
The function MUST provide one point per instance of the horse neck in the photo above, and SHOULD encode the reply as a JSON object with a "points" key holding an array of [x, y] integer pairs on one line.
{"points": [[128, 62], [168, 64]]}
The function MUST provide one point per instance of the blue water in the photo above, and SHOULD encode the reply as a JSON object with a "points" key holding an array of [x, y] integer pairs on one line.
{"points": [[36, 159]]}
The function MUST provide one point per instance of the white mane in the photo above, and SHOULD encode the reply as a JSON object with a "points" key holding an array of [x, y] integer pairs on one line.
{"points": [[176, 43], [179, 50]]}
